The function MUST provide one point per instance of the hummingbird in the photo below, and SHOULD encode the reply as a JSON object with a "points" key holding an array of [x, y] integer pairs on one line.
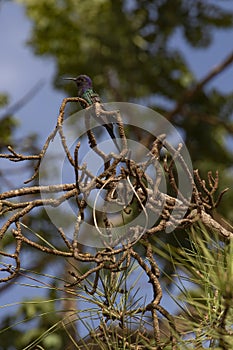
{"points": [[86, 91]]}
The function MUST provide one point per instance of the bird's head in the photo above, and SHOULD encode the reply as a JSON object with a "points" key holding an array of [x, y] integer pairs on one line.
{"points": [[83, 83]]}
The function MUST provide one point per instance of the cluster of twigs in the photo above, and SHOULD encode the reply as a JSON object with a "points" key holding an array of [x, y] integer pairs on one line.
{"points": [[115, 255]]}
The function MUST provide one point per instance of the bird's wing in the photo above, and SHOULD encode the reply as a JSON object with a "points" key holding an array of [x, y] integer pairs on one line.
{"points": [[101, 118]]}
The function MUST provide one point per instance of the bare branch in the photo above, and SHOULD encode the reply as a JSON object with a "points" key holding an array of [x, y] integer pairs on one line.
{"points": [[24, 100], [126, 185], [189, 94]]}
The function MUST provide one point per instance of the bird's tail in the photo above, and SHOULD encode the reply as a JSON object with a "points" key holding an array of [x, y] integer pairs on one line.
{"points": [[109, 128]]}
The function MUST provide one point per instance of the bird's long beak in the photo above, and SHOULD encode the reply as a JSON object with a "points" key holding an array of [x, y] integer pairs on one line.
{"points": [[74, 79]]}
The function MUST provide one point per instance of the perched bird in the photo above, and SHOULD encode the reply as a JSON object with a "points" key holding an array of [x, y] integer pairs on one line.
{"points": [[86, 91]]}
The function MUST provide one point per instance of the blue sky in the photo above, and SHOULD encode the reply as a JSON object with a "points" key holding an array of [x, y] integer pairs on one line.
{"points": [[20, 70]]}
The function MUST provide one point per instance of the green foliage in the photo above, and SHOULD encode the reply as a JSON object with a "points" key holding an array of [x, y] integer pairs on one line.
{"points": [[49, 322], [204, 278], [3, 100], [8, 124], [41, 320], [123, 44]]}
